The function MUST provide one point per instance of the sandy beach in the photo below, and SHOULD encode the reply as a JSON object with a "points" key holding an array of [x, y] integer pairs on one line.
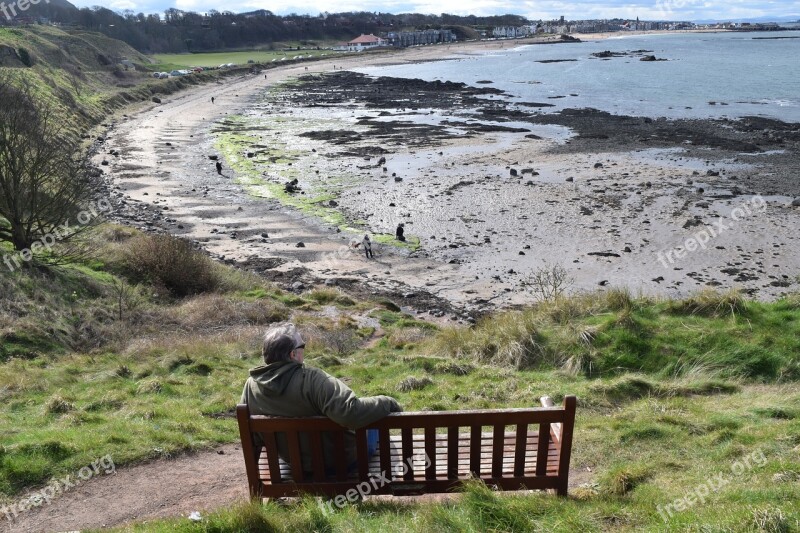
{"points": [[491, 196]]}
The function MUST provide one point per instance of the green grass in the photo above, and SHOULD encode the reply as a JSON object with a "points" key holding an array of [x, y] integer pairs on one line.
{"points": [[671, 394], [214, 59]]}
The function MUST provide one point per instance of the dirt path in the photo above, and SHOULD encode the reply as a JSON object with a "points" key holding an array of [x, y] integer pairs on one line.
{"points": [[161, 488]]}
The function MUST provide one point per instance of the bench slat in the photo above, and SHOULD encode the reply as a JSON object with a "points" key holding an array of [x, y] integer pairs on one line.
{"points": [[295, 457], [430, 452], [498, 449], [384, 442], [475, 451], [408, 453], [452, 452], [520, 449], [361, 453], [340, 456], [317, 460], [543, 447]]}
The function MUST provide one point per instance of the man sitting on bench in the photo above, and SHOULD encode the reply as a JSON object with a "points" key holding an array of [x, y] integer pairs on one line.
{"points": [[283, 386]]}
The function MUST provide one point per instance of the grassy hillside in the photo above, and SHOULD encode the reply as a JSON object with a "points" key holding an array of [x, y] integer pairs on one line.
{"points": [[99, 358], [82, 72]]}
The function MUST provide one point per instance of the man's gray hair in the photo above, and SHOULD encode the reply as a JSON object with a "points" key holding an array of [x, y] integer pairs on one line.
{"points": [[279, 342]]}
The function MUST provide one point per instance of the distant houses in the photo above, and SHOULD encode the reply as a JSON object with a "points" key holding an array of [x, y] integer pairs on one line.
{"points": [[418, 38], [365, 42], [397, 39]]}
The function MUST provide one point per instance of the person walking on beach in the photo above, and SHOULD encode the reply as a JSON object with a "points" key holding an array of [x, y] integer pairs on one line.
{"points": [[212, 99], [367, 247], [219, 168], [400, 232]]}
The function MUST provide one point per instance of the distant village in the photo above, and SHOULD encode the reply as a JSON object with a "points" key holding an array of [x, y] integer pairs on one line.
{"points": [[556, 27]]}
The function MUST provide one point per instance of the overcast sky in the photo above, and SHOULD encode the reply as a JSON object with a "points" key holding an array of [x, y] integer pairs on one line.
{"points": [[535, 10]]}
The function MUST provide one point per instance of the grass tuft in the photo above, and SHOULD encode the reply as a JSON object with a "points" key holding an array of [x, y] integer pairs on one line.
{"points": [[620, 480], [711, 303], [414, 383], [58, 406]]}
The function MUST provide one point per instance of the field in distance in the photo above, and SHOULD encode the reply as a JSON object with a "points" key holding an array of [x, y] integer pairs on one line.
{"points": [[215, 59]]}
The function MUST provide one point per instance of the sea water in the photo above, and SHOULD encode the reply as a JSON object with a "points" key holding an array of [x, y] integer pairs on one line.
{"points": [[704, 75]]}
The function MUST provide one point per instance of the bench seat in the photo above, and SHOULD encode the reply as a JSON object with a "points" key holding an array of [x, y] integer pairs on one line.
{"points": [[455, 445]]}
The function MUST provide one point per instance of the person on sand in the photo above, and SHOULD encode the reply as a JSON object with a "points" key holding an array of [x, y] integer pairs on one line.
{"points": [[400, 232], [219, 168], [212, 99], [291, 186], [284, 386], [367, 246]]}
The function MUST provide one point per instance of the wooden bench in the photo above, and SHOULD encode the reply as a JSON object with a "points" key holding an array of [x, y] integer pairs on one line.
{"points": [[455, 446]]}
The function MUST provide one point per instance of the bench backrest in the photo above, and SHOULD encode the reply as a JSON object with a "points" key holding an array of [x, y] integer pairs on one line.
{"points": [[454, 443]]}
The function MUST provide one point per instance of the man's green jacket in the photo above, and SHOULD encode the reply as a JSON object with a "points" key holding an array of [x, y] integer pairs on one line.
{"points": [[288, 388]]}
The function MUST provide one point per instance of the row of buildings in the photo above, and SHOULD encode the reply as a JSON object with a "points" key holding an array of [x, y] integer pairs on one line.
{"points": [[617, 25], [398, 39]]}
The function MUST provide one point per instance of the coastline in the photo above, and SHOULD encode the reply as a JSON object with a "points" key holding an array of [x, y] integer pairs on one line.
{"points": [[604, 210]]}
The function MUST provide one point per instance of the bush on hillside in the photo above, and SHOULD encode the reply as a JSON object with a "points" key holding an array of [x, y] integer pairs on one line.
{"points": [[25, 57], [173, 263]]}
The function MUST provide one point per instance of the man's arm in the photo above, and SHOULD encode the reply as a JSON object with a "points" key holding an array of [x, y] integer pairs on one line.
{"points": [[336, 401]]}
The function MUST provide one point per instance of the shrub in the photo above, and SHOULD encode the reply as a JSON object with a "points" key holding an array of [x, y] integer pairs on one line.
{"points": [[173, 263], [25, 57], [549, 282]]}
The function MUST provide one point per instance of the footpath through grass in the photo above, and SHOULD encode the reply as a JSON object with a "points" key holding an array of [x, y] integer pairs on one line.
{"points": [[101, 359]]}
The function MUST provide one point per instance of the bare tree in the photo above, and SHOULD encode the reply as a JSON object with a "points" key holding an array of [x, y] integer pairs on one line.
{"points": [[42, 184], [549, 282]]}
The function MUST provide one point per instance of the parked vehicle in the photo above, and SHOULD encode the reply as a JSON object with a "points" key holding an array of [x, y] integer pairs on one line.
{"points": [[163, 75]]}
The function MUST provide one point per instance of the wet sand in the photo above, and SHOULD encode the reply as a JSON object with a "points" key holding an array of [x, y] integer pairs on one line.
{"points": [[609, 198]]}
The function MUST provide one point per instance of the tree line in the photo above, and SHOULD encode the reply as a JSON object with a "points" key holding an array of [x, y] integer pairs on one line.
{"points": [[179, 31]]}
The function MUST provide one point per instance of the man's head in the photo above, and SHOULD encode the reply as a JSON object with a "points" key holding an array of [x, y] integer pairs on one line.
{"points": [[282, 342]]}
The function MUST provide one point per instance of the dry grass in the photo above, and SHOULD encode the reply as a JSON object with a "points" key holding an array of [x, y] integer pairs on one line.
{"points": [[402, 338], [509, 339], [711, 303], [172, 263], [217, 311]]}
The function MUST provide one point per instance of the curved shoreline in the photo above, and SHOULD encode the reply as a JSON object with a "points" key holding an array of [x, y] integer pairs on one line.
{"points": [[183, 195]]}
